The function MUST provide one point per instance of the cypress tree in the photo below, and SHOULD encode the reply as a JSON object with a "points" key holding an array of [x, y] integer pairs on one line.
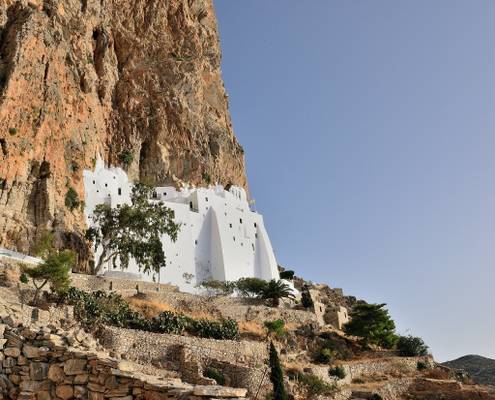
{"points": [[277, 375]]}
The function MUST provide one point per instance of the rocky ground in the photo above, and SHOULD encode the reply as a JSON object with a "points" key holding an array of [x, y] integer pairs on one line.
{"points": [[481, 369], [47, 354]]}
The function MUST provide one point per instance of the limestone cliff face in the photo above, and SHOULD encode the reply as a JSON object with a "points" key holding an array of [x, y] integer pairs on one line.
{"points": [[135, 81]]}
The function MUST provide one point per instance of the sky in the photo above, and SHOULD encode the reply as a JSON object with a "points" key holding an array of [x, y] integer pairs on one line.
{"points": [[369, 135]]}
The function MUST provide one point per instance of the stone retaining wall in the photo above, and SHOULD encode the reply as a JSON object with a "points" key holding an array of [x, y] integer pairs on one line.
{"points": [[39, 365]]}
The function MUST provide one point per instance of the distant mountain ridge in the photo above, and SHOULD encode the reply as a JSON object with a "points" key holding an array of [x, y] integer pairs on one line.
{"points": [[481, 369]]}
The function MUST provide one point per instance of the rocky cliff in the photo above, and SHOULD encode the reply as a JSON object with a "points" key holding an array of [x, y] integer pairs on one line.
{"points": [[136, 82]]}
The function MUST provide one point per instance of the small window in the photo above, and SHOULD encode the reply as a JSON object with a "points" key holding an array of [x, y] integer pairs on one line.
{"points": [[255, 225], [195, 242], [234, 238], [242, 244], [252, 245], [120, 192], [165, 193], [206, 198], [106, 184], [190, 205], [230, 225], [155, 195], [225, 214], [256, 235], [240, 220], [94, 182]]}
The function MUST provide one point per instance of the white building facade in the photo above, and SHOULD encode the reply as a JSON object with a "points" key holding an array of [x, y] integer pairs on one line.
{"points": [[220, 237]]}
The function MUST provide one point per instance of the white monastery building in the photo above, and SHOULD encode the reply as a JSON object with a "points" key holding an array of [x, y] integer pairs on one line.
{"points": [[220, 237]]}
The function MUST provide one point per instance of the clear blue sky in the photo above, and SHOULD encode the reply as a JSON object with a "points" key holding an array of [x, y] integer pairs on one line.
{"points": [[369, 130]]}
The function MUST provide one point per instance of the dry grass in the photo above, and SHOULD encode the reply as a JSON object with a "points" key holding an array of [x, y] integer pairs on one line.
{"points": [[436, 373], [151, 308], [253, 329]]}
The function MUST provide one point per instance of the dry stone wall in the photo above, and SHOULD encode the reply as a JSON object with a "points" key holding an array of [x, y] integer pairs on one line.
{"points": [[40, 365]]}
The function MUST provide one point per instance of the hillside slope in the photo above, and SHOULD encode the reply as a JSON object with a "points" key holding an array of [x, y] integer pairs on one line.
{"points": [[136, 82], [481, 369]]}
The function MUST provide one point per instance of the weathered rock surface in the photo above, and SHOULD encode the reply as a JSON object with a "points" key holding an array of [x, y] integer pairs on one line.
{"points": [[83, 78]]}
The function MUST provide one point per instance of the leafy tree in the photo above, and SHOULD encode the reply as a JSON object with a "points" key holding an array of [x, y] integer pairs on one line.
{"points": [[410, 346], [133, 230], [219, 287], [373, 324], [43, 247], [54, 270], [250, 287], [277, 375], [276, 290]]}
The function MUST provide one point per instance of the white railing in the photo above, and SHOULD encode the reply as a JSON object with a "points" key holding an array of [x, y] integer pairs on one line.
{"points": [[14, 255]]}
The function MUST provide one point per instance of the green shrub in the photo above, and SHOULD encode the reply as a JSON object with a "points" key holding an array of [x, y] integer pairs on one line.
{"points": [[126, 158], [227, 329], [71, 199], [338, 372], [325, 356], [206, 177], [410, 346], [314, 385], [276, 327], [421, 366], [250, 287], [23, 278], [12, 131], [112, 309], [216, 374], [288, 275], [169, 322]]}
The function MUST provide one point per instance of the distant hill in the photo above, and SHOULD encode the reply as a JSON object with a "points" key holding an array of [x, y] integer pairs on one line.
{"points": [[481, 369]]}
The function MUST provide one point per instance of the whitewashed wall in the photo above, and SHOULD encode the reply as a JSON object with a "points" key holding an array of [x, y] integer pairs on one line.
{"points": [[220, 237]]}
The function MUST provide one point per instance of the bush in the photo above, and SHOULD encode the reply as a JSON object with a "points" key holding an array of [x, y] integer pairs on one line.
{"points": [[227, 329], [250, 287], [23, 278], [215, 374], [410, 346], [288, 275], [276, 327], [338, 372], [325, 356], [12, 131], [71, 199], [112, 309], [126, 157], [314, 385], [421, 366], [169, 322]]}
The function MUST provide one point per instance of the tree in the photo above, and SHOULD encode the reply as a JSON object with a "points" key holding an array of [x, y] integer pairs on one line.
{"points": [[410, 346], [373, 324], [276, 375], [133, 230], [54, 270], [276, 290]]}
